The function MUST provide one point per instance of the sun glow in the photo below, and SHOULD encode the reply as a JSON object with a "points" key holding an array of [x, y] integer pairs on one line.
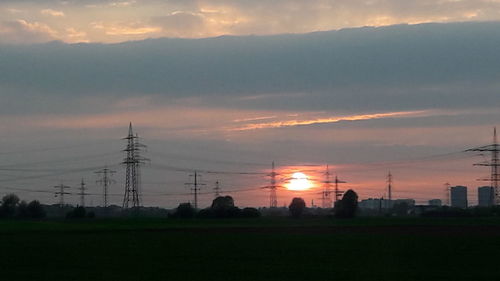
{"points": [[299, 182]]}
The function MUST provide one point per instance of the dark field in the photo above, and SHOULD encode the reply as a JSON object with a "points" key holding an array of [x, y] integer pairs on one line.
{"points": [[255, 249]]}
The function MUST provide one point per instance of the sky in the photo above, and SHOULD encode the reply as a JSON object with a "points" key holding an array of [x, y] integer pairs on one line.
{"points": [[227, 87]]}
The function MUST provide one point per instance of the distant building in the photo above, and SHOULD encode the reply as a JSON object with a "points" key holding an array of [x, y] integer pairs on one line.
{"points": [[381, 203], [372, 204], [409, 202], [459, 196], [485, 196], [435, 202]]}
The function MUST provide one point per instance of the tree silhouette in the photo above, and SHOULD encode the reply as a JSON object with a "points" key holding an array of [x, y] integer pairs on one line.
{"points": [[184, 210], [9, 205], [297, 207], [250, 213], [77, 213], [347, 206], [35, 210], [22, 210], [223, 202], [223, 207]]}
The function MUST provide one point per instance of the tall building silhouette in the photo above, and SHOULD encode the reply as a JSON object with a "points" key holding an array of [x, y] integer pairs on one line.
{"points": [[459, 196], [485, 196]]}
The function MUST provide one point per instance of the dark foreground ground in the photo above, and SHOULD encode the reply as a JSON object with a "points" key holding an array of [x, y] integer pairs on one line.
{"points": [[255, 249]]}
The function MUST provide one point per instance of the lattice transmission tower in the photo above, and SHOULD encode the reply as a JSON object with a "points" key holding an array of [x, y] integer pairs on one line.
{"points": [[133, 162], [82, 193], [326, 198], [60, 193], [105, 181], [493, 163], [273, 198]]}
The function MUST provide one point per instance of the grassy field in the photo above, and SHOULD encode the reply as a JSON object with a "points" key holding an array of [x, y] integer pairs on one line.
{"points": [[254, 249]]}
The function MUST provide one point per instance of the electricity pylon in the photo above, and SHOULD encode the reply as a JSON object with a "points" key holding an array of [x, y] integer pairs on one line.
{"points": [[105, 181], [493, 163], [337, 191], [326, 199], [133, 162], [82, 193], [273, 199], [60, 193], [217, 189]]}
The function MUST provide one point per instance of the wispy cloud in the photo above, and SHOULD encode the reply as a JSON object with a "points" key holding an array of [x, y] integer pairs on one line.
{"points": [[54, 13], [253, 119], [292, 123]]}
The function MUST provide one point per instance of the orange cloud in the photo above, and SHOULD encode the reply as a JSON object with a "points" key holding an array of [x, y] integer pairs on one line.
{"points": [[291, 123]]}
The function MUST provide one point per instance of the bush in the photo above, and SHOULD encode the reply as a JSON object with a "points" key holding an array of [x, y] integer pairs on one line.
{"points": [[250, 213], [35, 210], [184, 211], [77, 213], [22, 210], [207, 213]]}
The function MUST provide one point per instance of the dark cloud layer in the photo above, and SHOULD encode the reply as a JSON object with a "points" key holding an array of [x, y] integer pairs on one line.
{"points": [[397, 67]]}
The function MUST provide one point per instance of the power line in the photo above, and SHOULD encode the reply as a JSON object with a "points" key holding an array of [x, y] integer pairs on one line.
{"points": [[61, 161], [20, 151], [63, 172]]}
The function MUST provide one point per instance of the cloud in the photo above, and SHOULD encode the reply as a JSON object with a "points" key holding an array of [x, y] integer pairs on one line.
{"points": [[54, 13], [329, 120], [207, 18], [24, 32], [125, 28], [397, 68], [181, 24]]}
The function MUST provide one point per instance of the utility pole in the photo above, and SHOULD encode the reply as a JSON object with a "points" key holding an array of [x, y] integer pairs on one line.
{"points": [[82, 193], [195, 187], [105, 181], [217, 189], [60, 193], [133, 161], [494, 163]]}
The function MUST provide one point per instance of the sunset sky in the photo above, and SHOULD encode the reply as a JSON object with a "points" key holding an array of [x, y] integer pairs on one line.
{"points": [[227, 87]]}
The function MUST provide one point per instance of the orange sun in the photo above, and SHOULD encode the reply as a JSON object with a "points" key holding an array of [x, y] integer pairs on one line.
{"points": [[299, 182]]}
